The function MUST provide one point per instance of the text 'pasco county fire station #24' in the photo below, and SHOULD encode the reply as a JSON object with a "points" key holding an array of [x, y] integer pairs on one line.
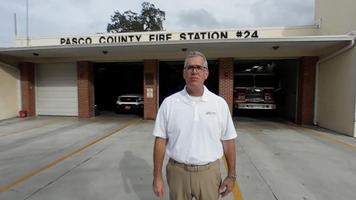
{"points": [[131, 38]]}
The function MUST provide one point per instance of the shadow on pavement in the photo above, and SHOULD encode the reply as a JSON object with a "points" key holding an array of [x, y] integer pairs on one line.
{"points": [[137, 176]]}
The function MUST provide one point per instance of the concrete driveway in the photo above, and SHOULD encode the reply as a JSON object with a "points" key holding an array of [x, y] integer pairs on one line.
{"points": [[279, 160], [111, 158]]}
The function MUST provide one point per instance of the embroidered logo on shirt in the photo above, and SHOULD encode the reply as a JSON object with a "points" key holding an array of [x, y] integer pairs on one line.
{"points": [[210, 113]]}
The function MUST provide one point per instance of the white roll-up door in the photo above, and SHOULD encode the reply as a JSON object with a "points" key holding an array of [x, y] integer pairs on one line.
{"points": [[56, 89]]}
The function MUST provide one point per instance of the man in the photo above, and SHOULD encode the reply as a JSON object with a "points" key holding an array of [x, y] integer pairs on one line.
{"points": [[195, 129]]}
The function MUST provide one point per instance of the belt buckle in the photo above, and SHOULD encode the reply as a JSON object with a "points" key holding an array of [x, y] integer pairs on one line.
{"points": [[187, 167], [191, 167], [195, 167]]}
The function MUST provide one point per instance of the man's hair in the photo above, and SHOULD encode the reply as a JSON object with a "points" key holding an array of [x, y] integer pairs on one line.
{"points": [[192, 54]]}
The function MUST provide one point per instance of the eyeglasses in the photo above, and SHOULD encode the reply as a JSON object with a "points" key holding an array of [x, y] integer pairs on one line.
{"points": [[199, 68]]}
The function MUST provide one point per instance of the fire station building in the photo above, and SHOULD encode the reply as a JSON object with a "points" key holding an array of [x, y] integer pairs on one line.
{"points": [[73, 75]]}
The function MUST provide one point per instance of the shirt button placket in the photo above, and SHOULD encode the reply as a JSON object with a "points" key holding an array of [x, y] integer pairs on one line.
{"points": [[196, 113]]}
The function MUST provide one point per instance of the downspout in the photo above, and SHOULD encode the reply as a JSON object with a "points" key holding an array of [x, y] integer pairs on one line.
{"points": [[19, 106], [323, 59]]}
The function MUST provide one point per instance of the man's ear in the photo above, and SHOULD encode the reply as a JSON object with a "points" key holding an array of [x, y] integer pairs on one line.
{"points": [[206, 74]]}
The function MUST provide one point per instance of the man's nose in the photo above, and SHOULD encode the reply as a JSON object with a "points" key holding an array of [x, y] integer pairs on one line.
{"points": [[195, 70]]}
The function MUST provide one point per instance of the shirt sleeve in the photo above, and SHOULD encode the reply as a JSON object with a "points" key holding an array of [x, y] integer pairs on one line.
{"points": [[229, 131], [160, 129]]}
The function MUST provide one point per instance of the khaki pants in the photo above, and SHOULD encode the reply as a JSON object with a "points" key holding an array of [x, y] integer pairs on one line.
{"points": [[187, 181]]}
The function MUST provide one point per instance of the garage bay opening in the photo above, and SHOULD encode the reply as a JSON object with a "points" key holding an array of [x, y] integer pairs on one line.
{"points": [[118, 88], [266, 88]]}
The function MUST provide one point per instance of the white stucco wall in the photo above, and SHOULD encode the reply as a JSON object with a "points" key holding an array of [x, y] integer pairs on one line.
{"points": [[336, 94], [9, 92], [337, 17], [336, 99]]}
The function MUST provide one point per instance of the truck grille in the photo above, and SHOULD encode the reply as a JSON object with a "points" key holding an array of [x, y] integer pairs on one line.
{"points": [[128, 99], [253, 96]]}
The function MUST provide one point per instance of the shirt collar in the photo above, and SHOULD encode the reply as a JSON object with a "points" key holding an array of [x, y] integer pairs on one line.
{"points": [[204, 97]]}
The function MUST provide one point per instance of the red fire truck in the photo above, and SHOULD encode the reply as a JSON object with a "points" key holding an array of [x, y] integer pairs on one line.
{"points": [[255, 88]]}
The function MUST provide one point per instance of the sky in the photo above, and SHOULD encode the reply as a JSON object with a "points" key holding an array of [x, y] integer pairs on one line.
{"points": [[87, 17]]}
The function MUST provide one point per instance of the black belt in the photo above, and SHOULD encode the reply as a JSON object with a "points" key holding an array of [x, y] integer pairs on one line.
{"points": [[192, 167]]}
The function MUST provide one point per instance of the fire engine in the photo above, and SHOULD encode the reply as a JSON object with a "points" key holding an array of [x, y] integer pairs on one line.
{"points": [[256, 87]]}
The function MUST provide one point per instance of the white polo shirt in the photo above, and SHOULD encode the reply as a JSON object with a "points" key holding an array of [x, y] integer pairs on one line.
{"points": [[194, 127]]}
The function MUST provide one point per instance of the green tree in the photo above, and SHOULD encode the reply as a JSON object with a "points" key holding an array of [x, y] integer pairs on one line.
{"points": [[150, 19]]}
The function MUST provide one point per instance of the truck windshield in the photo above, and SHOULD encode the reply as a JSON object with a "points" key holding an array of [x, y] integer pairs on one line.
{"points": [[265, 81], [244, 81]]}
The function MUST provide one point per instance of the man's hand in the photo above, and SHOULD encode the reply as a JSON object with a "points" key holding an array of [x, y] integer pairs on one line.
{"points": [[230, 155], [158, 187], [226, 186]]}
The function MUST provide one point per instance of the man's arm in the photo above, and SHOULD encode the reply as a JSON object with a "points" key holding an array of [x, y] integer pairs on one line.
{"points": [[230, 155], [158, 157]]}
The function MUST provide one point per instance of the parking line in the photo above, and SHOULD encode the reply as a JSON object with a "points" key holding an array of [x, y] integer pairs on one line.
{"points": [[322, 135], [330, 138], [26, 129], [46, 167], [236, 192], [42, 125]]}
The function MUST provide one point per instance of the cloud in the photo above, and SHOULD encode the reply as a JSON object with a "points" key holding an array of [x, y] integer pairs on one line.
{"points": [[198, 18], [203, 19], [283, 13], [240, 13]]}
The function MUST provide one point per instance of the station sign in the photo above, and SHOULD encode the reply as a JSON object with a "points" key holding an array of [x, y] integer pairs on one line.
{"points": [[152, 37]]}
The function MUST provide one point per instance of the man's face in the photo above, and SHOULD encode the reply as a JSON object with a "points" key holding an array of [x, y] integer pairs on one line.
{"points": [[194, 73]]}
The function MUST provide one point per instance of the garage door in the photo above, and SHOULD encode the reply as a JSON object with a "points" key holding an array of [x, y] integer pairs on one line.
{"points": [[56, 89]]}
